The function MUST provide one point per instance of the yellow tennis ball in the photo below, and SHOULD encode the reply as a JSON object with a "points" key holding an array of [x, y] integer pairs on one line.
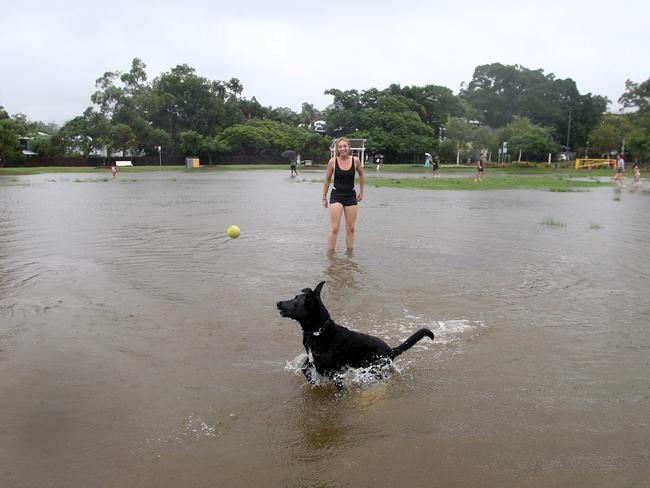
{"points": [[233, 231]]}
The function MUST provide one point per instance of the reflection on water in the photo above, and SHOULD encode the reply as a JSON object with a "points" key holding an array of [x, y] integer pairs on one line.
{"points": [[136, 337], [342, 273]]}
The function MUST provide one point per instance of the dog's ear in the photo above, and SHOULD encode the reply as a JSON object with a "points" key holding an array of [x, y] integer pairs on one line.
{"points": [[307, 291], [318, 288]]}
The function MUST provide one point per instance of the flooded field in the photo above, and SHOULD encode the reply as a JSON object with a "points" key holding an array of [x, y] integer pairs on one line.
{"points": [[140, 346]]}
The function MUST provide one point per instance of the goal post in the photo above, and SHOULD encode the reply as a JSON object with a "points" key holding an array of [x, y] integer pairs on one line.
{"points": [[593, 162]]}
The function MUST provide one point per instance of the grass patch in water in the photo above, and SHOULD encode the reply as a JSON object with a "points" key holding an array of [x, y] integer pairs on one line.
{"points": [[91, 180], [551, 222], [544, 182], [595, 227], [16, 182]]}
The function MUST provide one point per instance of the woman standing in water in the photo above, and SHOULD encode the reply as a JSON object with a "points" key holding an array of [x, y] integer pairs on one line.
{"points": [[343, 198]]}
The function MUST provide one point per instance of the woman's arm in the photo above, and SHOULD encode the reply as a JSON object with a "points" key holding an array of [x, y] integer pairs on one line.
{"points": [[327, 180], [357, 161]]}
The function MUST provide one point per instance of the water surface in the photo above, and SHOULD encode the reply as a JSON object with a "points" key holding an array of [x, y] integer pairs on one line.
{"points": [[140, 346]]}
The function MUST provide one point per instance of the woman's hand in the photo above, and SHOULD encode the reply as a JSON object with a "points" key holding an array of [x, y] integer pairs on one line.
{"points": [[325, 202], [359, 197]]}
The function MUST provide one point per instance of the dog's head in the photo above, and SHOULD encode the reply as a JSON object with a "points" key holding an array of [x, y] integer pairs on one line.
{"points": [[306, 308]]}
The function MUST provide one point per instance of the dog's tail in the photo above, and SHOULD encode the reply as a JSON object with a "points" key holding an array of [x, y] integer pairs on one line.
{"points": [[410, 342]]}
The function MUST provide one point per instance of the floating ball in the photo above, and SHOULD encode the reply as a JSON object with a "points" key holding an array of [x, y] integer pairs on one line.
{"points": [[233, 231]]}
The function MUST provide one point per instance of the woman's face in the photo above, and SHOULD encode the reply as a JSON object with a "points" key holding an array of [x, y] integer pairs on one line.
{"points": [[343, 147]]}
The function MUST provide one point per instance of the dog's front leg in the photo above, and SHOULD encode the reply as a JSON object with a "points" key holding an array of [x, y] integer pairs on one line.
{"points": [[308, 370]]}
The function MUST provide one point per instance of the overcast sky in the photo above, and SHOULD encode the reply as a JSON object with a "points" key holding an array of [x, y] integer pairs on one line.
{"points": [[290, 51]]}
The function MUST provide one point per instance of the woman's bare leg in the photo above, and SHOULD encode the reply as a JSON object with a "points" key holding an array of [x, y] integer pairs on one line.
{"points": [[350, 222], [336, 210]]}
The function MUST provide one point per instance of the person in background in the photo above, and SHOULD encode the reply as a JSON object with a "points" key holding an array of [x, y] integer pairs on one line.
{"points": [[436, 167], [343, 198], [480, 168], [636, 183], [114, 169], [293, 165], [619, 177], [379, 159]]}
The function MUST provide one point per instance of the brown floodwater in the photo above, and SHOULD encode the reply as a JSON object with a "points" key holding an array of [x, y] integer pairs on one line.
{"points": [[140, 346]]}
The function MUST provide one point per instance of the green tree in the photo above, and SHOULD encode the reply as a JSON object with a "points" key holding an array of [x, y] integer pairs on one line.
{"points": [[607, 137], [434, 104], [528, 140], [502, 93], [10, 148], [122, 139], [459, 133], [284, 115], [83, 134], [388, 120], [256, 136], [637, 98], [308, 115], [46, 145], [207, 148], [314, 146], [638, 142], [485, 139], [252, 108]]}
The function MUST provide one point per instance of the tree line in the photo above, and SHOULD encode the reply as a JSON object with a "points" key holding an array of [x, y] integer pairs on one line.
{"points": [[526, 111]]}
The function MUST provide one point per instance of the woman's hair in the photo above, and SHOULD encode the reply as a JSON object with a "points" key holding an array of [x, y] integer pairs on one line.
{"points": [[336, 147]]}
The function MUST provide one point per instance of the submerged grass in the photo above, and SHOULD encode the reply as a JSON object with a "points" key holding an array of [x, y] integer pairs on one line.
{"points": [[538, 177], [551, 222], [90, 180], [544, 182]]}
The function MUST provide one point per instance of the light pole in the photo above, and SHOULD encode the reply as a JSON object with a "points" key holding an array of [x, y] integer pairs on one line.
{"points": [[568, 134], [160, 155]]}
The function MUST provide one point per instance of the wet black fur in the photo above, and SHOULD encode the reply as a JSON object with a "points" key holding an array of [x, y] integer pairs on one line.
{"points": [[331, 347]]}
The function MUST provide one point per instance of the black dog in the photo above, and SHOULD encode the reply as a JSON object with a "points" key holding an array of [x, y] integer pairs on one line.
{"points": [[331, 347]]}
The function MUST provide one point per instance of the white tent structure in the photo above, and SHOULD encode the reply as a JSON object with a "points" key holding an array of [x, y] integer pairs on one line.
{"points": [[357, 148]]}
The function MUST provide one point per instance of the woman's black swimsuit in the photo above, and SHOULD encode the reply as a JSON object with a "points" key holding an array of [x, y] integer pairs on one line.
{"points": [[343, 191]]}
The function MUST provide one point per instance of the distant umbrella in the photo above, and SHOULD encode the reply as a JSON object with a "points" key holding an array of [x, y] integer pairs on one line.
{"points": [[289, 154]]}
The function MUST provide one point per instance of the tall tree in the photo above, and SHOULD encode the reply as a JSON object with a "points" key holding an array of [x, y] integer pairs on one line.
{"points": [[10, 148], [502, 93], [459, 133], [637, 98], [607, 137], [528, 140]]}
